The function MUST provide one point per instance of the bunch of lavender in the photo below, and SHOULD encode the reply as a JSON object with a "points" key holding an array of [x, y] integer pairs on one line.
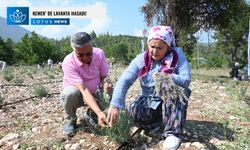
{"points": [[166, 89]]}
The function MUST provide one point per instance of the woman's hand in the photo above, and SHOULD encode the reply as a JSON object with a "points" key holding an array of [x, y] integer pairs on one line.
{"points": [[102, 121], [113, 115]]}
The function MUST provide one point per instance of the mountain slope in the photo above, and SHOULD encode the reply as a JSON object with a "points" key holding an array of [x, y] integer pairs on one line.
{"points": [[14, 32]]}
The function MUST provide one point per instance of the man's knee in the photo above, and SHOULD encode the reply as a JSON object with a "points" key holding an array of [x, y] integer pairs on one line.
{"points": [[70, 96]]}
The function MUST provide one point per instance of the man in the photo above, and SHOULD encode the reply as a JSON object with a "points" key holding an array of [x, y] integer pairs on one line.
{"points": [[235, 71], [84, 71], [3, 65], [50, 63]]}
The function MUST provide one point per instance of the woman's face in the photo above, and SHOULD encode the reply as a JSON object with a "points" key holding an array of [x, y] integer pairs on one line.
{"points": [[85, 53], [157, 49]]}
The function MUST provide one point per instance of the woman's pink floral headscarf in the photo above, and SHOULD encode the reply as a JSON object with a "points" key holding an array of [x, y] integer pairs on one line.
{"points": [[170, 61], [164, 33]]}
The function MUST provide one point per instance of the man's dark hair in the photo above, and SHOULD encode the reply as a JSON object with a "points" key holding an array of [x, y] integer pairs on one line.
{"points": [[79, 39]]}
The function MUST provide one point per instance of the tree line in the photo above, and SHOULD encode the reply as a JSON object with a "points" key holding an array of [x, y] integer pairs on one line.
{"points": [[34, 49], [228, 19], [122, 49]]}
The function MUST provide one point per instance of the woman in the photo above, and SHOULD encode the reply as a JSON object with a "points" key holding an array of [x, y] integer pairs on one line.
{"points": [[149, 111]]}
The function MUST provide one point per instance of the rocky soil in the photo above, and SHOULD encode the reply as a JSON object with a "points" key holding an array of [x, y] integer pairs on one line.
{"points": [[218, 116]]}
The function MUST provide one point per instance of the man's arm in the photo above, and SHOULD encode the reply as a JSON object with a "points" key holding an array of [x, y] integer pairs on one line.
{"points": [[91, 102]]}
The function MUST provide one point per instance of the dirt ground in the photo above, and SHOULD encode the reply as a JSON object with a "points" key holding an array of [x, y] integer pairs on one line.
{"points": [[214, 119]]}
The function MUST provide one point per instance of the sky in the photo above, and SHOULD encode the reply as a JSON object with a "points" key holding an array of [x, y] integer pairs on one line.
{"points": [[112, 16], [119, 17]]}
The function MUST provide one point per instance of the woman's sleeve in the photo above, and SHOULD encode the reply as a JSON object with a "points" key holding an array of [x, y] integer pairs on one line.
{"points": [[182, 75], [124, 82]]}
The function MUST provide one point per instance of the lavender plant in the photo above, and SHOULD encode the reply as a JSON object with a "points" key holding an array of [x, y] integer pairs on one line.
{"points": [[8, 74], [1, 102], [166, 89], [121, 132], [40, 91]]}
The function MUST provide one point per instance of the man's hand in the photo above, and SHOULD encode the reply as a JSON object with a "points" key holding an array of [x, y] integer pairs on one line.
{"points": [[102, 121], [113, 115]]}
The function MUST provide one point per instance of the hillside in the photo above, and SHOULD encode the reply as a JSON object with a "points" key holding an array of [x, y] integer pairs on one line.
{"points": [[13, 32]]}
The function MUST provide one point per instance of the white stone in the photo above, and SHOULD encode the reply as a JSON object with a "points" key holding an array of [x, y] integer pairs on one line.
{"points": [[9, 137], [15, 147], [82, 141], [75, 146], [67, 146], [187, 145], [198, 145]]}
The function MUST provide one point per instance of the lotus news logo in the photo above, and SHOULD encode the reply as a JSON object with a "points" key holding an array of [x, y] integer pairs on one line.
{"points": [[17, 15]]}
